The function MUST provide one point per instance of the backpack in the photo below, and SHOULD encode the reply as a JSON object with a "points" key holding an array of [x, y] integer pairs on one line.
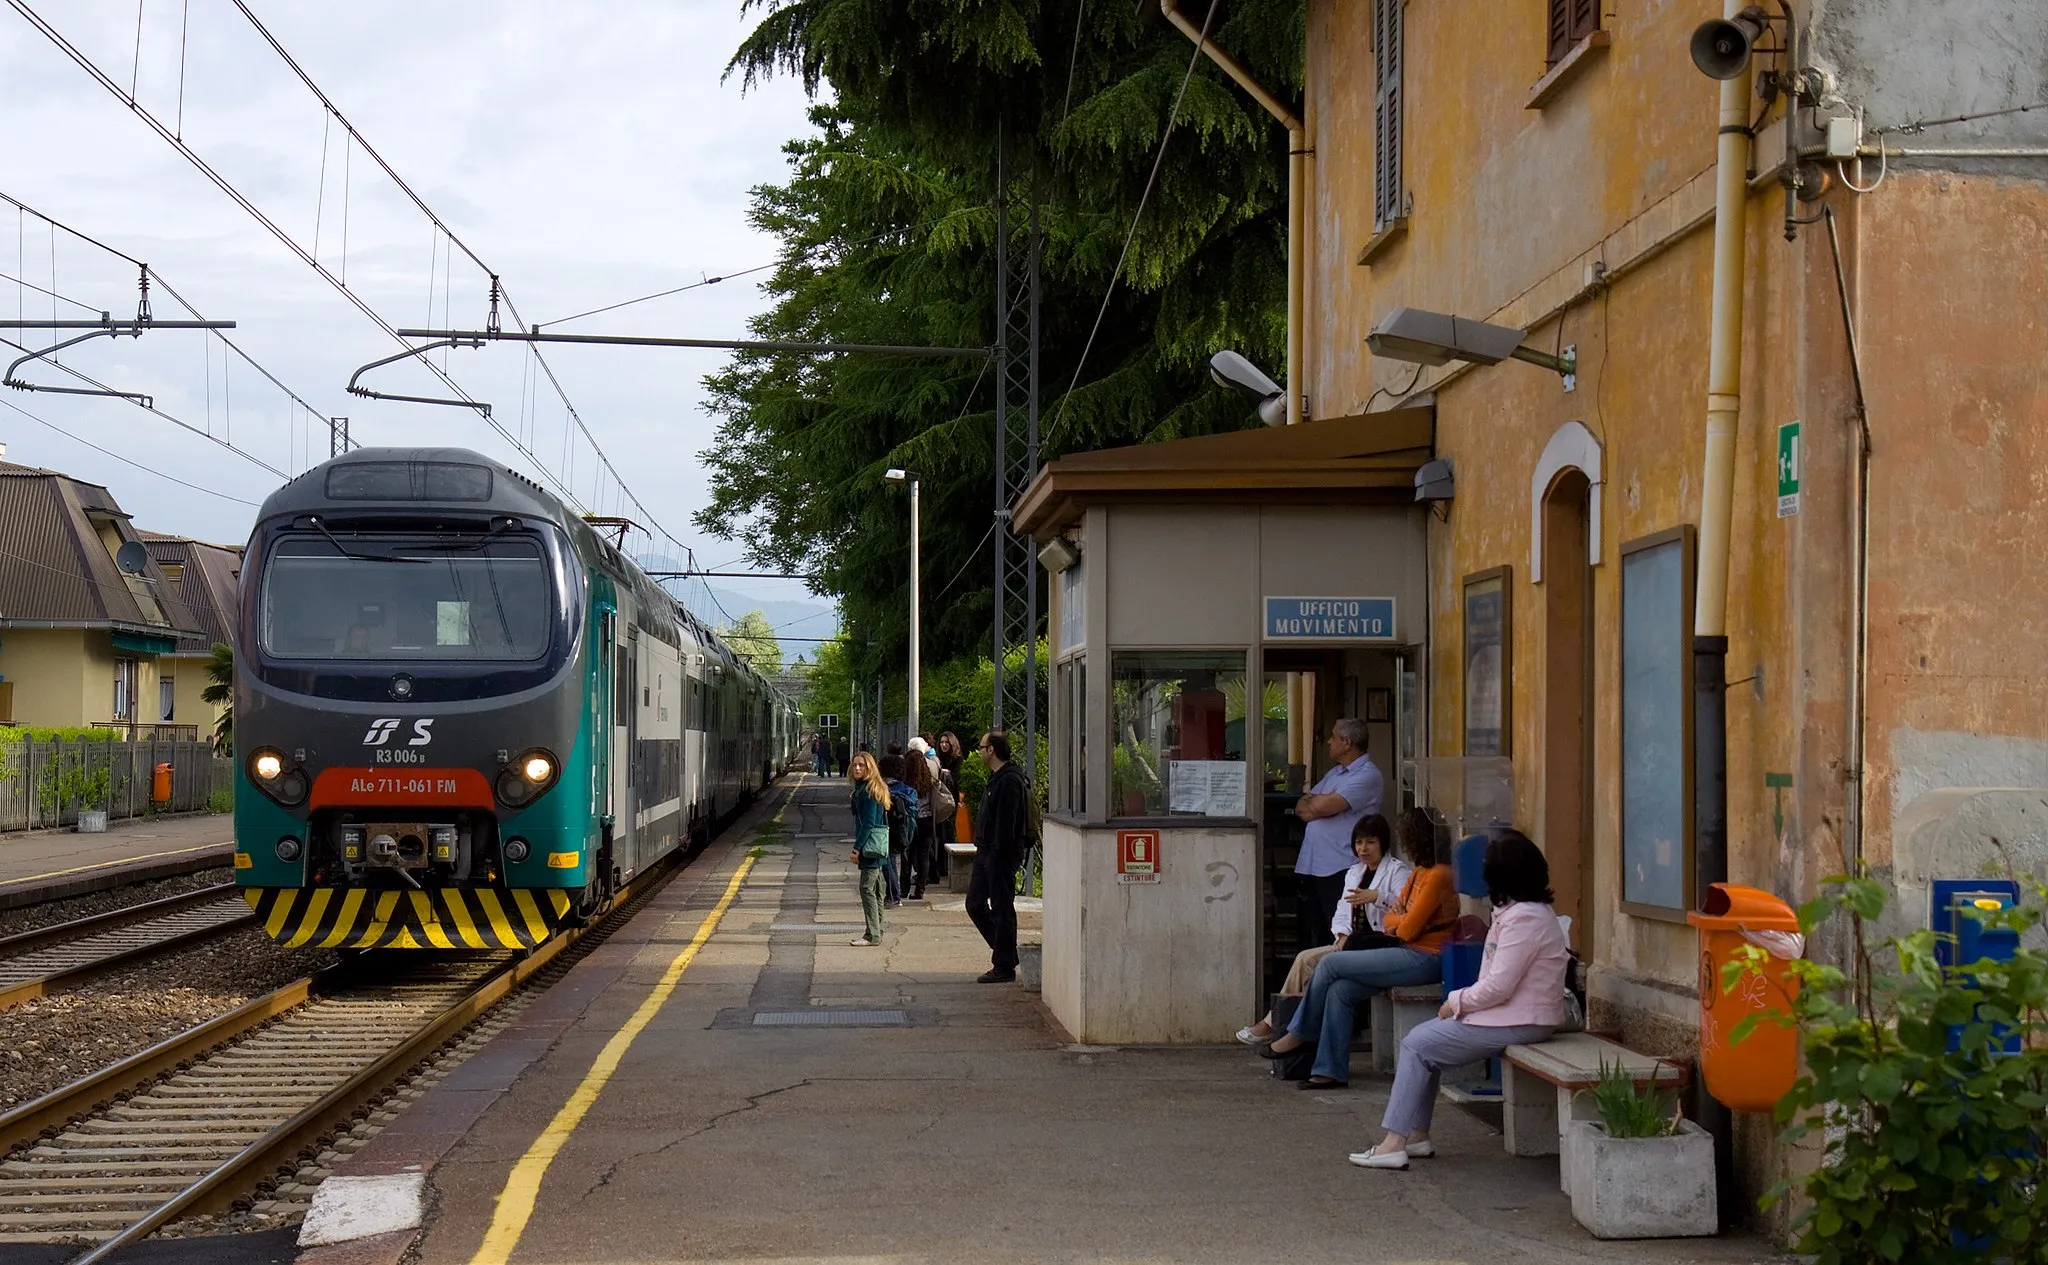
{"points": [[902, 817], [1034, 818]]}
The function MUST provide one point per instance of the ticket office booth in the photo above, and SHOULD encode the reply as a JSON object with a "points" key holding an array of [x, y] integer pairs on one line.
{"points": [[1215, 604]]}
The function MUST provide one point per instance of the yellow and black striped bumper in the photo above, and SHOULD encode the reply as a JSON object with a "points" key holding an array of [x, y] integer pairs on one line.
{"points": [[440, 918]]}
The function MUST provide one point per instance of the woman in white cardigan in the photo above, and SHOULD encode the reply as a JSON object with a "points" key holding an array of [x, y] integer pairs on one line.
{"points": [[1371, 888]]}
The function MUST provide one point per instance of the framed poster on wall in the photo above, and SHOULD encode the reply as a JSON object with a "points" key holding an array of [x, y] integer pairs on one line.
{"points": [[1488, 661], [1656, 725]]}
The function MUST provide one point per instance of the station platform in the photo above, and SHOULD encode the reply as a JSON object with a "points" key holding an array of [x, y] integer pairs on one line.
{"points": [[40, 865], [726, 1079]]}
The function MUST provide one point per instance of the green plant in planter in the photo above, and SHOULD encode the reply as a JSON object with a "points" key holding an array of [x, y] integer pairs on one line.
{"points": [[1934, 1137], [1632, 1109]]}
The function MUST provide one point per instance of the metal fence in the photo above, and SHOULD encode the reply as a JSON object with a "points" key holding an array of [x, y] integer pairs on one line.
{"points": [[47, 784]]}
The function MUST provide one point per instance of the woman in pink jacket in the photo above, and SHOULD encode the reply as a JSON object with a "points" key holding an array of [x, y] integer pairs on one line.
{"points": [[1518, 999]]}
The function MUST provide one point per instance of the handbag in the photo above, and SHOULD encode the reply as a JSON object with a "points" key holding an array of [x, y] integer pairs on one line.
{"points": [[1300, 1064]]}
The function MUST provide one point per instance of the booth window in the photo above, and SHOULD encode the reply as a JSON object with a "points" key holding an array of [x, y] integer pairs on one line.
{"points": [[1178, 725], [1656, 724], [1070, 686]]}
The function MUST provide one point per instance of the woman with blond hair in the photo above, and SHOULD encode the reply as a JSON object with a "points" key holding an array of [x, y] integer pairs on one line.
{"points": [[870, 840]]}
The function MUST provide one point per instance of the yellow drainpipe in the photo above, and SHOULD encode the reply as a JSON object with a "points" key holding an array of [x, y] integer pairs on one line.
{"points": [[1297, 198], [1724, 352]]}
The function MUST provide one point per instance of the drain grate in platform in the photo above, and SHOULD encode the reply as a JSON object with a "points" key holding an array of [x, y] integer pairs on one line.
{"points": [[831, 1019]]}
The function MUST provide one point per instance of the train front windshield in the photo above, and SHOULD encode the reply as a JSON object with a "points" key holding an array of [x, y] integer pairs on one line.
{"points": [[389, 599]]}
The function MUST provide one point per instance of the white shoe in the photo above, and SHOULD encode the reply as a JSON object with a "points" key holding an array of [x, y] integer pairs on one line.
{"points": [[1246, 1035], [1374, 1159], [862, 942], [1423, 1150]]}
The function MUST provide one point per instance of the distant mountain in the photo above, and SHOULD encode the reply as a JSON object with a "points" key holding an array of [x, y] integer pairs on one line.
{"points": [[794, 618]]}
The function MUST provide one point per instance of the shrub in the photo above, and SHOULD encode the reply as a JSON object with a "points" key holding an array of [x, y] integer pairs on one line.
{"points": [[1933, 1143], [221, 801], [1632, 1109]]}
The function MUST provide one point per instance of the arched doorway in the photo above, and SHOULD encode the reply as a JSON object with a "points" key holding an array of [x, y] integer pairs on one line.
{"points": [[1566, 815]]}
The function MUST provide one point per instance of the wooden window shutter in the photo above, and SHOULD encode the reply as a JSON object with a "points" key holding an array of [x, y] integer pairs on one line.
{"points": [[1387, 129], [1569, 21]]}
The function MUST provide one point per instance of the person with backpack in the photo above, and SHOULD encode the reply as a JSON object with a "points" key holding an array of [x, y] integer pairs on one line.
{"points": [[902, 826], [1002, 835], [871, 806], [932, 800]]}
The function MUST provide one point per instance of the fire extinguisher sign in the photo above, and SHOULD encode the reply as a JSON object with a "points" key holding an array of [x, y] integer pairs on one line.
{"points": [[1137, 856]]}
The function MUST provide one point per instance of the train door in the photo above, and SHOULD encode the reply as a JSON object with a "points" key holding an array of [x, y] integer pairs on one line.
{"points": [[628, 777], [601, 751]]}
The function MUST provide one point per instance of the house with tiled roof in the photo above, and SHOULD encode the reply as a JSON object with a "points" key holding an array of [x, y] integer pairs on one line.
{"points": [[202, 588], [82, 641]]}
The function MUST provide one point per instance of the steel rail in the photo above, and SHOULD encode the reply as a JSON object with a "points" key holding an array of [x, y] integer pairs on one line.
{"points": [[282, 1145], [10, 945], [28, 990]]}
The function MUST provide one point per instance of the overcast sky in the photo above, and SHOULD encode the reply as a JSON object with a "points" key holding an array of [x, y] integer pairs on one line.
{"points": [[587, 152]]}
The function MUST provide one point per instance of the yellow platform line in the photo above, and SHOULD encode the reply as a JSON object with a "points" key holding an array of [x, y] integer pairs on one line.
{"points": [[522, 1189], [102, 865]]}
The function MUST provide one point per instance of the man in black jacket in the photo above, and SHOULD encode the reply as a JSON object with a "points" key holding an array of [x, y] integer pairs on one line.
{"points": [[999, 843]]}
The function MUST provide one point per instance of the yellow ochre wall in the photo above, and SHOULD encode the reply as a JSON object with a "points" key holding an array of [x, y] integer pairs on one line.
{"points": [[65, 676]]}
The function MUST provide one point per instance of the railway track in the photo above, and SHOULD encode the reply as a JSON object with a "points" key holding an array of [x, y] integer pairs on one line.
{"points": [[192, 1125], [35, 962]]}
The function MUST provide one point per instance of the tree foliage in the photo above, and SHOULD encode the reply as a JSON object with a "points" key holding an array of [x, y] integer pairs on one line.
{"points": [[220, 692], [752, 637], [888, 228]]}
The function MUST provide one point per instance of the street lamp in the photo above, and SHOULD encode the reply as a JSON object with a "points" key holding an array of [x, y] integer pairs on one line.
{"points": [[895, 475], [1437, 338], [1232, 370]]}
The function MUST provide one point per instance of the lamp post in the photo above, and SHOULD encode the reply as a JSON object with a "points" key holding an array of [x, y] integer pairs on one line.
{"points": [[906, 476]]}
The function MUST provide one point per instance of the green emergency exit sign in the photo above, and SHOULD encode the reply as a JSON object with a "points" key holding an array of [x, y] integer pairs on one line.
{"points": [[1788, 469]]}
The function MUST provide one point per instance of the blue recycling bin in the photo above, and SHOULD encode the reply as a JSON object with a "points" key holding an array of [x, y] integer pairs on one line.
{"points": [[1965, 938]]}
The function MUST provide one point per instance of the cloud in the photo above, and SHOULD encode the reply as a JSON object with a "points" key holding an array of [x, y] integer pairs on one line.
{"points": [[589, 153]]}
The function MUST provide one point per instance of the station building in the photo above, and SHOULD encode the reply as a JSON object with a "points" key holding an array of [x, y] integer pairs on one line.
{"points": [[1552, 168]]}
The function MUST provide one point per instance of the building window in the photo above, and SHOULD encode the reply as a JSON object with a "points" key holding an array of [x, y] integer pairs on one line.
{"points": [[1178, 725], [1570, 22], [1386, 113], [124, 689], [1070, 693], [166, 698], [1656, 724]]}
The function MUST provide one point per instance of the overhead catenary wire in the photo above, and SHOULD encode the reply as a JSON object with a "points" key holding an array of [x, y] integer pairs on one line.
{"points": [[1137, 216], [276, 230], [76, 438]]}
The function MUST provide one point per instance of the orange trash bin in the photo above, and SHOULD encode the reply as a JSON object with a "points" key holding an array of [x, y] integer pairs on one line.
{"points": [[1754, 1073], [160, 784], [963, 823]]}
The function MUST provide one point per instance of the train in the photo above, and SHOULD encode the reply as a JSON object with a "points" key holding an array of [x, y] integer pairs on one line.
{"points": [[463, 717]]}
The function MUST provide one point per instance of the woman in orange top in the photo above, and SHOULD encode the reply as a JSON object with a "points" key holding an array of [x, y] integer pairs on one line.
{"points": [[1421, 922]]}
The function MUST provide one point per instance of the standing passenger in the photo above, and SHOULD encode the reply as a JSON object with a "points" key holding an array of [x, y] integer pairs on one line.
{"points": [[871, 840], [1351, 789], [917, 863], [902, 826], [999, 843], [951, 755]]}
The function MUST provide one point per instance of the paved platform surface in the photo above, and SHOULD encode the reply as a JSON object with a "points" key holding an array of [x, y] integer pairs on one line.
{"points": [[51, 864], [971, 1131]]}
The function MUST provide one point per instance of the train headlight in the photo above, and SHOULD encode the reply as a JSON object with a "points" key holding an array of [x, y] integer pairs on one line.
{"points": [[278, 777], [527, 777]]}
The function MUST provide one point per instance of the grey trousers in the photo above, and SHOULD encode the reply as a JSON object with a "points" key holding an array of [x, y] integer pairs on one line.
{"points": [[1427, 1051]]}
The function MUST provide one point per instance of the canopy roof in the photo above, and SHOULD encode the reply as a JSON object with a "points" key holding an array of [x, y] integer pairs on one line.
{"points": [[1368, 459]]}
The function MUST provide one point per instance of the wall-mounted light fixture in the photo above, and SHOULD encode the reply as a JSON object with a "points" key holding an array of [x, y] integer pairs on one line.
{"points": [[1232, 370], [1058, 554], [1437, 338]]}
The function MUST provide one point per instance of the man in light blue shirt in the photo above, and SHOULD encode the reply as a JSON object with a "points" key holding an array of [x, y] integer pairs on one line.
{"points": [[1352, 788]]}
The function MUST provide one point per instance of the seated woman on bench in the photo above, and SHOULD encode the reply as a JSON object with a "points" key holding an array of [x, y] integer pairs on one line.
{"points": [[1518, 999], [1419, 924], [1370, 889]]}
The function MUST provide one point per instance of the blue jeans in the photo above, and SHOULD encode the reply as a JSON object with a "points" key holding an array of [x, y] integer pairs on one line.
{"points": [[1342, 982]]}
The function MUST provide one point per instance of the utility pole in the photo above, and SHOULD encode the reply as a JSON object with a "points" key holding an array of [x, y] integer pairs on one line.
{"points": [[337, 436], [1016, 570]]}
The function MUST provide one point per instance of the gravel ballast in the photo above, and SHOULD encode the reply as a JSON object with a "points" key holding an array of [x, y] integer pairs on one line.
{"points": [[55, 1040], [50, 913]]}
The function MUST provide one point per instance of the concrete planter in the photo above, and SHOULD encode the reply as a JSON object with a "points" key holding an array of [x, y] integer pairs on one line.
{"points": [[1030, 966], [1642, 1188], [92, 823]]}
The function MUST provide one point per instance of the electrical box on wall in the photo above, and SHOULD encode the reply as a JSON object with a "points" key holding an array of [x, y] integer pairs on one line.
{"points": [[1845, 136]]}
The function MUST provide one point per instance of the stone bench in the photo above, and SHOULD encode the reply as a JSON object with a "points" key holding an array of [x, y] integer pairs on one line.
{"points": [[1395, 1013], [1540, 1086], [959, 865]]}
